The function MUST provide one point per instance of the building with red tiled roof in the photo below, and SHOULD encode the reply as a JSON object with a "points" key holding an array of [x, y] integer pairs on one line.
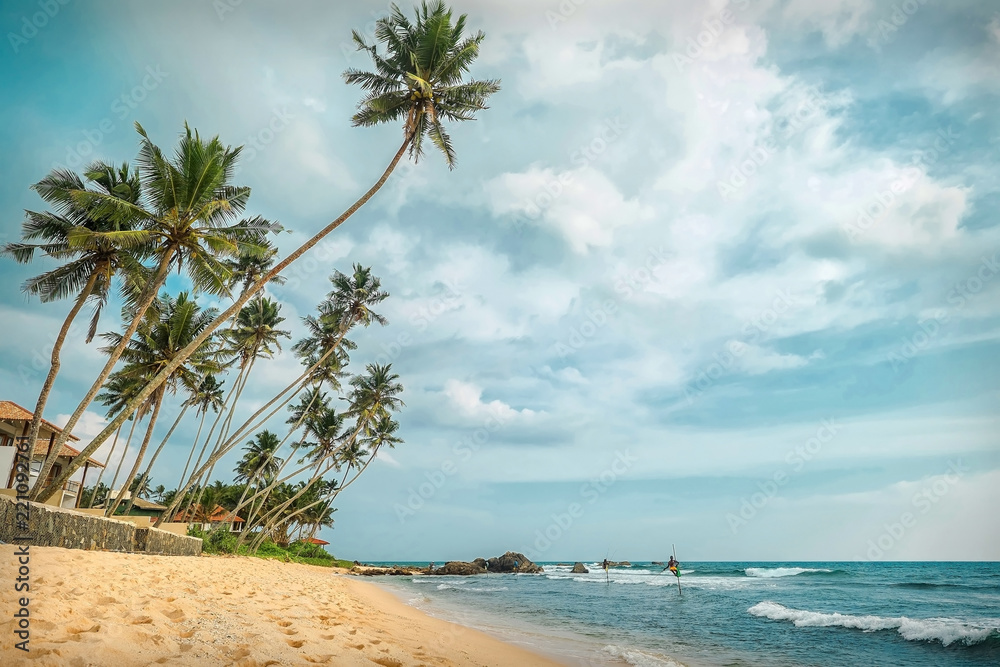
{"points": [[15, 422], [315, 540], [217, 516]]}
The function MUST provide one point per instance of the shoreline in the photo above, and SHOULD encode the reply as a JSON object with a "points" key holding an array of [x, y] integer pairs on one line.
{"points": [[120, 609]]}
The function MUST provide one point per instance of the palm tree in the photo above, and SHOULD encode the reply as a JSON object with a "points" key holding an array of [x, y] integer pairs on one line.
{"points": [[351, 302], [92, 266], [168, 328], [419, 77], [259, 462], [247, 270], [373, 397], [188, 211], [254, 335], [207, 397]]}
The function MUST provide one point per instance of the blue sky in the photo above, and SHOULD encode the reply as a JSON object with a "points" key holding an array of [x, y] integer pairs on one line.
{"points": [[720, 276]]}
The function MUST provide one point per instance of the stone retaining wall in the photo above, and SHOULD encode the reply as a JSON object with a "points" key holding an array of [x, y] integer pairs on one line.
{"points": [[50, 526]]}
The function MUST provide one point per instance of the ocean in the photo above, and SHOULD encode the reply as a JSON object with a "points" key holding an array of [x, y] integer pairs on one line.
{"points": [[734, 614]]}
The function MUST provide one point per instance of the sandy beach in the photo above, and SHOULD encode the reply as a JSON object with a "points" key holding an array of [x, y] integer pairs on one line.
{"points": [[116, 609]]}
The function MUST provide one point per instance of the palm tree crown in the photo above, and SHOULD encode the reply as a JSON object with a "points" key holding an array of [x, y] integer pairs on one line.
{"points": [[419, 76]]}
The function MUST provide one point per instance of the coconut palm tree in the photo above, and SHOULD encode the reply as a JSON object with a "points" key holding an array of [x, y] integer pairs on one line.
{"points": [[189, 220], [254, 335], [419, 76], [91, 267], [259, 462], [374, 396], [167, 328], [247, 270], [207, 397], [351, 302]]}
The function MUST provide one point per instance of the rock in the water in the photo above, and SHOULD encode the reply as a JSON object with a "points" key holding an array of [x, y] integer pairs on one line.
{"points": [[481, 562], [656, 562], [460, 568], [513, 562], [580, 569]]}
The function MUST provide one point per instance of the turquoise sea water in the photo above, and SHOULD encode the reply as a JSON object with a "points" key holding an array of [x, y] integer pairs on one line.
{"points": [[745, 614]]}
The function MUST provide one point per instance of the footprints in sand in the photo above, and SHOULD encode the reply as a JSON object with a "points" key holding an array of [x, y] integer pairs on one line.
{"points": [[175, 615], [295, 643], [387, 662]]}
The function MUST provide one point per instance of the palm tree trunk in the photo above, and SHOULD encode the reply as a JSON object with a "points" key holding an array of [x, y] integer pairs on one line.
{"points": [[249, 424], [239, 387], [111, 454], [135, 420], [54, 364], [145, 475], [182, 356], [204, 447], [142, 451], [147, 299], [194, 446]]}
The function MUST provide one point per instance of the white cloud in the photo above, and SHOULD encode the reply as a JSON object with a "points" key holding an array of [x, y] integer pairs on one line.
{"points": [[583, 205], [467, 399]]}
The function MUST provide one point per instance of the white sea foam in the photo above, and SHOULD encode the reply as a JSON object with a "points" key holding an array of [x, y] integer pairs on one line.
{"points": [[640, 658], [769, 572], [945, 630]]}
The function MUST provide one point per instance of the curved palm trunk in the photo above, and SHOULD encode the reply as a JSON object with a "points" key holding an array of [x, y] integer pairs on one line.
{"points": [[97, 484], [145, 475], [54, 364], [204, 448], [272, 516], [198, 474], [142, 452], [224, 432], [194, 446], [121, 461], [250, 424], [181, 357], [147, 299], [328, 501]]}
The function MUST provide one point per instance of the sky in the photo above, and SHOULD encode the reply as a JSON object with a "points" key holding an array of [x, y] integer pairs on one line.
{"points": [[715, 275]]}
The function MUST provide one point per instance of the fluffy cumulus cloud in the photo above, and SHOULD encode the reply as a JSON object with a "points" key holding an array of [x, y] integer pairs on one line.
{"points": [[689, 230]]}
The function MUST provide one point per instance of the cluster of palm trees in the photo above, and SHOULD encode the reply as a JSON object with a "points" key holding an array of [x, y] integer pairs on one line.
{"points": [[117, 231]]}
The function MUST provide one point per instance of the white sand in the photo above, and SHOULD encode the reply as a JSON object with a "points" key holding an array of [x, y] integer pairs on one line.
{"points": [[110, 609]]}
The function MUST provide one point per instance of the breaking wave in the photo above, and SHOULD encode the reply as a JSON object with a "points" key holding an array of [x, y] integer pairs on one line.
{"points": [[945, 630]]}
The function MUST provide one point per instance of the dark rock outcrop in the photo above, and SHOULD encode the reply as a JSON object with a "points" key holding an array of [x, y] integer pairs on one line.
{"points": [[395, 571], [580, 569], [460, 568], [513, 562]]}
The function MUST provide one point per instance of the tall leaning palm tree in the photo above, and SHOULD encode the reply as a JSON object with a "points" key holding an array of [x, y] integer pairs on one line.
{"points": [[189, 213], [419, 77], [91, 267], [168, 328]]}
